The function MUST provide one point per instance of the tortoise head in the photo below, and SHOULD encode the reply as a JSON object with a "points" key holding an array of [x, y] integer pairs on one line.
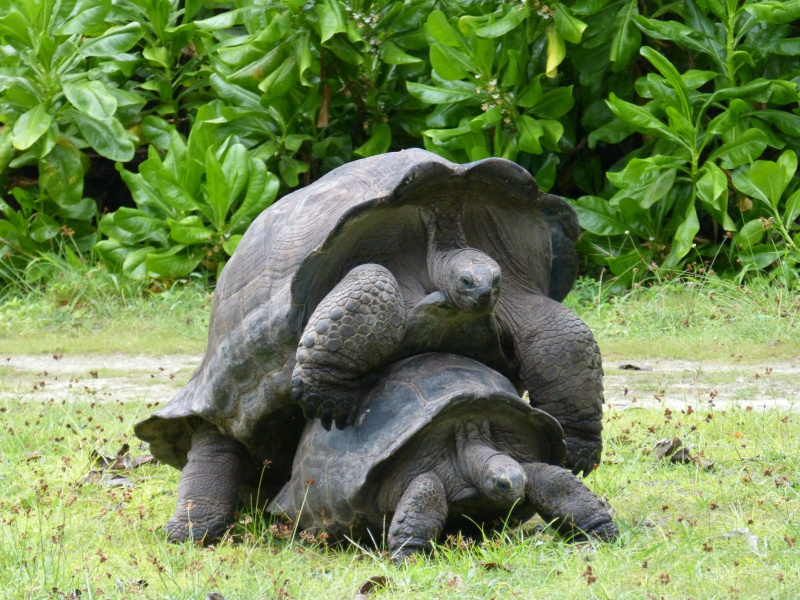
{"points": [[498, 477], [502, 480], [470, 280]]}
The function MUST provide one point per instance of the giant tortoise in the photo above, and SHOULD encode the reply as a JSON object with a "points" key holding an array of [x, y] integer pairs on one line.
{"points": [[383, 258], [441, 442]]}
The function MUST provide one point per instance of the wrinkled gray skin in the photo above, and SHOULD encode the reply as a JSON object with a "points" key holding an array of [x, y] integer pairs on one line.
{"points": [[436, 234], [429, 453]]}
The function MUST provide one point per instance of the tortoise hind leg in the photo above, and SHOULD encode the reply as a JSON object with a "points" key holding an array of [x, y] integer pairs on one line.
{"points": [[561, 368], [419, 517], [353, 330], [564, 500], [207, 488]]}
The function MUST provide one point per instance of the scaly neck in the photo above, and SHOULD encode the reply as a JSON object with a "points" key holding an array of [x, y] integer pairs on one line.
{"points": [[445, 235]]}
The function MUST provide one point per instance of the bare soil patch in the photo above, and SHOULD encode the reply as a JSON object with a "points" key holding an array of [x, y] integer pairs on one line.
{"points": [[668, 383], [108, 378], [703, 383]]}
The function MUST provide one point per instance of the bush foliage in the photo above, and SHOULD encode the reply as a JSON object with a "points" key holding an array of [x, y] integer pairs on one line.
{"points": [[674, 126]]}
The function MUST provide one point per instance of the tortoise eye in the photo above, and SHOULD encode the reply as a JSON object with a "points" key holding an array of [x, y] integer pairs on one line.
{"points": [[466, 281]]}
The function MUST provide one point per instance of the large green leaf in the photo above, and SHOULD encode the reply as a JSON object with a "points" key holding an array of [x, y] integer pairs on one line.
{"points": [[759, 256], [659, 188], [744, 149], [61, 174], [750, 234], [138, 223], [641, 119], [727, 119], [114, 41], [262, 189], [106, 136], [31, 126], [43, 228], [281, 80], [597, 216], [786, 121], [218, 188], [134, 264], [91, 14], [511, 20], [91, 98], [627, 37], [291, 169], [555, 103], [190, 230], [570, 28], [530, 130], [174, 263], [772, 178], [331, 21], [672, 76], [556, 50], [438, 95], [378, 142], [441, 30], [792, 209], [775, 12], [712, 189], [392, 54], [448, 63], [683, 239], [172, 192]]}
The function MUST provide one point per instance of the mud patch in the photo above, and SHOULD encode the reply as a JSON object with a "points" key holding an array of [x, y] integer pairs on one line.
{"points": [[669, 384], [682, 383], [111, 378]]}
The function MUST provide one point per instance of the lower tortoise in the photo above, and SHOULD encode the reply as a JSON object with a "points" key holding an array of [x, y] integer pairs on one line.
{"points": [[442, 442]]}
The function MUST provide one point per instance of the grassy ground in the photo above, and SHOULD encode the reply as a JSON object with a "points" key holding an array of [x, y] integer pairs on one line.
{"points": [[95, 314], [688, 531]]}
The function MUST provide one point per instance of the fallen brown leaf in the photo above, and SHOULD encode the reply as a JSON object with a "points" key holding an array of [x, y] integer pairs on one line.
{"points": [[665, 447], [370, 585], [681, 456], [492, 566]]}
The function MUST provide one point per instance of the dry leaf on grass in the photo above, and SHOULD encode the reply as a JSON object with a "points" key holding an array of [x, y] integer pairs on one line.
{"points": [[492, 566], [122, 461], [665, 447], [631, 367], [370, 585]]}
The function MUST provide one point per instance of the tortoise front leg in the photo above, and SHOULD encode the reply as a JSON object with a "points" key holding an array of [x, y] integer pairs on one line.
{"points": [[564, 500], [561, 368], [418, 518], [353, 330], [207, 488]]}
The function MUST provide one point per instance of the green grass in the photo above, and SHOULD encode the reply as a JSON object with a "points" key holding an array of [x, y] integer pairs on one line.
{"points": [[697, 320], [60, 532], [687, 532], [95, 312]]}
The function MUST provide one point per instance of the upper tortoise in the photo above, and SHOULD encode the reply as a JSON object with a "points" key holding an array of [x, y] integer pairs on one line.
{"points": [[385, 257]]}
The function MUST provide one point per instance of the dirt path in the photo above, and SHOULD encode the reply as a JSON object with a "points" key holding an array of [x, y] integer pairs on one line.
{"points": [[668, 383]]}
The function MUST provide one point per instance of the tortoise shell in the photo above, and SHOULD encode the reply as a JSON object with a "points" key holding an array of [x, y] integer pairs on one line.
{"points": [[336, 474]]}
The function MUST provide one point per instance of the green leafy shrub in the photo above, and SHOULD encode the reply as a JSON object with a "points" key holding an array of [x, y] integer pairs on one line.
{"points": [[193, 205], [702, 129], [674, 124]]}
